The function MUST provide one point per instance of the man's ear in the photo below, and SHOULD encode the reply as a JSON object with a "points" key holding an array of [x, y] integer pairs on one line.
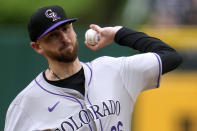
{"points": [[36, 46]]}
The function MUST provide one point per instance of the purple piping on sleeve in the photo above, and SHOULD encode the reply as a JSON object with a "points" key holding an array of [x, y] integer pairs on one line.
{"points": [[90, 127], [89, 100], [99, 119], [89, 84], [90, 74], [87, 94], [58, 94], [55, 25], [101, 124], [158, 81]]}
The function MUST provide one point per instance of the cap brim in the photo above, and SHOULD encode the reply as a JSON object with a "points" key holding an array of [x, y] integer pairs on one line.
{"points": [[56, 25]]}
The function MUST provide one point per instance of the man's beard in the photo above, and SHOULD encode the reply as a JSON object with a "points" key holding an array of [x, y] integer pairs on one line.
{"points": [[65, 57]]}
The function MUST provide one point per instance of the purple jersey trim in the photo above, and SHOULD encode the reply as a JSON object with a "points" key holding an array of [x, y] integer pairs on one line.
{"points": [[99, 119], [158, 59], [101, 124], [87, 94], [89, 100], [58, 94], [56, 25], [88, 85], [90, 74], [71, 96], [90, 127], [61, 95]]}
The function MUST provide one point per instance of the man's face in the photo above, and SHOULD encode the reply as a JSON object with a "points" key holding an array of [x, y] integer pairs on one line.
{"points": [[60, 44]]}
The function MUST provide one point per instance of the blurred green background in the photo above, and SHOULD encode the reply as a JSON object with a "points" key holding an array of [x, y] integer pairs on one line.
{"points": [[172, 21]]}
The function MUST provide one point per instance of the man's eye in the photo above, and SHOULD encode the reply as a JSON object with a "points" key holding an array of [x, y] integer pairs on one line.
{"points": [[53, 35], [64, 29]]}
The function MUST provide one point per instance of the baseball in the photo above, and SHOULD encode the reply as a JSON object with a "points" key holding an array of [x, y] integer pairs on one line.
{"points": [[91, 37]]}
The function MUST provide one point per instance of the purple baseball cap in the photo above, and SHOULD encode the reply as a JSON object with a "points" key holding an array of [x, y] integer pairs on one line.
{"points": [[46, 19]]}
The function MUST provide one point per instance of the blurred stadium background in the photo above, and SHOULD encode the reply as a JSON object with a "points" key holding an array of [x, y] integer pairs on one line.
{"points": [[172, 107]]}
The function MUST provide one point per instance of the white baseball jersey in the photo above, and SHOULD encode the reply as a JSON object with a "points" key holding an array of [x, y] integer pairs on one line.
{"points": [[111, 88]]}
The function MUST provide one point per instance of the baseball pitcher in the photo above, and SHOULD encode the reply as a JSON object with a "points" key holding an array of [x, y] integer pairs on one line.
{"points": [[99, 95]]}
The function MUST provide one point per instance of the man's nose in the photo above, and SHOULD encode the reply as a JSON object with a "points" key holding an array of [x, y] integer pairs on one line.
{"points": [[64, 37]]}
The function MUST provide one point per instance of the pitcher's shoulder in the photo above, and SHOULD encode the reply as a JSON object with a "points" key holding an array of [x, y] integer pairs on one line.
{"points": [[24, 93]]}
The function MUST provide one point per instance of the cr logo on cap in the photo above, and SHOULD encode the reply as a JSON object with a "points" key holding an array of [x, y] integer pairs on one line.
{"points": [[50, 14]]}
